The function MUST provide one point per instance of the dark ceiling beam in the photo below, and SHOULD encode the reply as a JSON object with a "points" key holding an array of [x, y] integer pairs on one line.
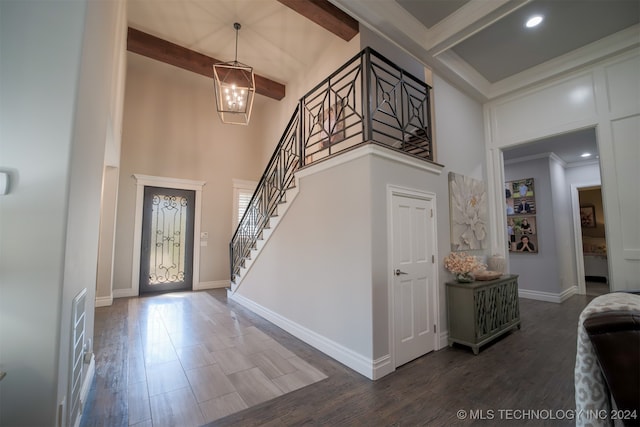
{"points": [[326, 15], [176, 55]]}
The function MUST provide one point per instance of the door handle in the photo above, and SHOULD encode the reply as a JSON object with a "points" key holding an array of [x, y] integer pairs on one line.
{"points": [[398, 272]]}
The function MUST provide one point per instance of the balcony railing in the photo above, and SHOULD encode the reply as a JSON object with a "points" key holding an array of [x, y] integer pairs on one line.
{"points": [[369, 100]]}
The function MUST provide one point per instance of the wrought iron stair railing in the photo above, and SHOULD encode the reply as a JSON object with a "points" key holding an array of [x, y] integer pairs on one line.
{"points": [[369, 100]]}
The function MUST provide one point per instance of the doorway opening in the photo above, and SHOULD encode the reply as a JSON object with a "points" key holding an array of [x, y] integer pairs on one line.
{"points": [[577, 154], [594, 243]]}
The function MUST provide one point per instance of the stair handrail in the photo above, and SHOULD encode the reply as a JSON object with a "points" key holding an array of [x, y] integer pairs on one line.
{"points": [[368, 100]]}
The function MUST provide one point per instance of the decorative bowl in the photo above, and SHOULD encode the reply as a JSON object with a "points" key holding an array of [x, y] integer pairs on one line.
{"points": [[488, 275]]}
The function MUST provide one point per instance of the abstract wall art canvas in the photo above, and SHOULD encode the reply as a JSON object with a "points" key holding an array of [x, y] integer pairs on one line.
{"points": [[468, 211]]}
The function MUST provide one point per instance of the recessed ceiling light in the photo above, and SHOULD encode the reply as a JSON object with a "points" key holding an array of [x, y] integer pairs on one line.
{"points": [[585, 155], [534, 21]]}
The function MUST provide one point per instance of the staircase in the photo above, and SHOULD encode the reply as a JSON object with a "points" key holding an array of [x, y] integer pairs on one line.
{"points": [[269, 202], [268, 230], [369, 100]]}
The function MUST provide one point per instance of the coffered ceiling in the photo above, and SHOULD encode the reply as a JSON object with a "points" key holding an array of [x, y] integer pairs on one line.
{"points": [[483, 46]]}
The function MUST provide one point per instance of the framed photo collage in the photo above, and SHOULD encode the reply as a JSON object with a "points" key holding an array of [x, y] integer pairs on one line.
{"points": [[522, 229]]}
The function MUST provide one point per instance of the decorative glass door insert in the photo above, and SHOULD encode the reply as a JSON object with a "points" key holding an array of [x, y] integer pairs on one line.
{"points": [[166, 261]]}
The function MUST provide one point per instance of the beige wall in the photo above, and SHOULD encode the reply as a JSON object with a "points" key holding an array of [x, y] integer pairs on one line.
{"points": [[171, 129]]}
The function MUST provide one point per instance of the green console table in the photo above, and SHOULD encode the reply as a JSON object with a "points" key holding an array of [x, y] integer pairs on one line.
{"points": [[481, 311]]}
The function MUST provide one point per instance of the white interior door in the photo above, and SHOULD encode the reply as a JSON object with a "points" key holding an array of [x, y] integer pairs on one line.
{"points": [[413, 277]]}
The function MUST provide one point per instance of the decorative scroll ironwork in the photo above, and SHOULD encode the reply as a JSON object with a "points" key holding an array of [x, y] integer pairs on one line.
{"points": [[168, 225], [369, 100]]}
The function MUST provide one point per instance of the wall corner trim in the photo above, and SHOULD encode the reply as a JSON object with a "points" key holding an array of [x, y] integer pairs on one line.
{"points": [[548, 296]]}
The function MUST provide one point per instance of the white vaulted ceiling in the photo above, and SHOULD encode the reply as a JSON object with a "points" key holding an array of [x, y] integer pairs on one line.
{"points": [[274, 39]]}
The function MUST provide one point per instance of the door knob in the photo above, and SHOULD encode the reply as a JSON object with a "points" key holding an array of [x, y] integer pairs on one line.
{"points": [[398, 272]]}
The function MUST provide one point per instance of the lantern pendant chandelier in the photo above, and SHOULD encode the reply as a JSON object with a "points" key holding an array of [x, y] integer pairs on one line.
{"points": [[235, 88]]}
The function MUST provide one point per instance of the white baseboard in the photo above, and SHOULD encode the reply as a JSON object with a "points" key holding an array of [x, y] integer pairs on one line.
{"points": [[125, 293], [548, 296], [443, 340], [568, 293], [104, 301], [344, 355], [213, 284], [382, 366]]}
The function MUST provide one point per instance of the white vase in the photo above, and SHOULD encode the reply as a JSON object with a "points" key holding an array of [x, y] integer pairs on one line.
{"points": [[497, 263]]}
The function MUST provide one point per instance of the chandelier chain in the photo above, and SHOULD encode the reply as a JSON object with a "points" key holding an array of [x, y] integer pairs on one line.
{"points": [[237, 26]]}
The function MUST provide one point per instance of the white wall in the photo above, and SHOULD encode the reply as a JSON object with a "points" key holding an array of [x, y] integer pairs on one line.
{"points": [[563, 225], [606, 96], [459, 146], [316, 268], [336, 53], [583, 175], [392, 52], [104, 285], [39, 160], [54, 124], [539, 272]]}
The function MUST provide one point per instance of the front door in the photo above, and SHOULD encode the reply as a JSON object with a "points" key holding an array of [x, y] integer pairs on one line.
{"points": [[413, 277], [166, 257]]}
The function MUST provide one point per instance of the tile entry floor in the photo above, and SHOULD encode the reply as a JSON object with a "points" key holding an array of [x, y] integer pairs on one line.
{"points": [[192, 360]]}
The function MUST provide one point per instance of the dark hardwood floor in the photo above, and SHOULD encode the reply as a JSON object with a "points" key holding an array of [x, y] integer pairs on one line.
{"points": [[531, 368], [525, 370]]}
